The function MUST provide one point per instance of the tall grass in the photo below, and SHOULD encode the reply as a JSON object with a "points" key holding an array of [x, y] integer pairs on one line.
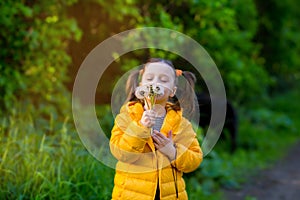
{"points": [[50, 164]]}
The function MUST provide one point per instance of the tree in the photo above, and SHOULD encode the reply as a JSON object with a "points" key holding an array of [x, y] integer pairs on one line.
{"points": [[33, 61]]}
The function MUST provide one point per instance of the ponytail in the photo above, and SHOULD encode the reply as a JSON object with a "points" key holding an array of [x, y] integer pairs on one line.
{"points": [[188, 89], [132, 84], [185, 91]]}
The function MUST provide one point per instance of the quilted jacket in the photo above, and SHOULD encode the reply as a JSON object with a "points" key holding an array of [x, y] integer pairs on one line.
{"points": [[141, 168]]}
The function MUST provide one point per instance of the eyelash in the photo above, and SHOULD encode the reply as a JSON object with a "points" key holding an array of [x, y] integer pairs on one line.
{"points": [[150, 79]]}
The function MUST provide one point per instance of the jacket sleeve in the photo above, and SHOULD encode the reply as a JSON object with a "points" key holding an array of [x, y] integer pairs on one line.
{"points": [[188, 152], [128, 138]]}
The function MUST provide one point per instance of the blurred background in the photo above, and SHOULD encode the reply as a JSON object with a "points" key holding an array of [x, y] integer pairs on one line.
{"points": [[255, 44]]}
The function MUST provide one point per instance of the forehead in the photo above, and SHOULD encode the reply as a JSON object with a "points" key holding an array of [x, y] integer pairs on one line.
{"points": [[159, 68]]}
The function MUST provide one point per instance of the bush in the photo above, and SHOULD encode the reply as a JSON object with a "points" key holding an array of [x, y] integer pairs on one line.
{"points": [[33, 62]]}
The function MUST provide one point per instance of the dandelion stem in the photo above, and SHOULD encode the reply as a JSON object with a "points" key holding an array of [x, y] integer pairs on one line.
{"points": [[148, 106]]}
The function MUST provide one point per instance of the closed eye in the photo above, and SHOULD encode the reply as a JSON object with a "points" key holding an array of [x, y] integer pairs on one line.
{"points": [[164, 79]]}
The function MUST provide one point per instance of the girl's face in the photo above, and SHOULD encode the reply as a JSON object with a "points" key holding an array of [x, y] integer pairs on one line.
{"points": [[161, 74]]}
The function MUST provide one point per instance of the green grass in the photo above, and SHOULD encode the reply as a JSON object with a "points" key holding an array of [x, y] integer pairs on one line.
{"points": [[45, 159], [49, 165]]}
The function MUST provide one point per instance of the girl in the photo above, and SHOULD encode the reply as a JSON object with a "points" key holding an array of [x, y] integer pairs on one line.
{"points": [[154, 146]]}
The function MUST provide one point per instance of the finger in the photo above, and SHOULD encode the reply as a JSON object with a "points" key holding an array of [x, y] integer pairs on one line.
{"points": [[146, 119], [155, 136], [165, 140], [170, 134], [147, 122], [152, 117], [160, 135], [155, 140], [152, 120], [156, 143], [148, 115], [158, 138], [156, 146], [150, 112]]}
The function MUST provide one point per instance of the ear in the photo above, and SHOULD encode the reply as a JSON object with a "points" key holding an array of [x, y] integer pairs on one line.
{"points": [[173, 92]]}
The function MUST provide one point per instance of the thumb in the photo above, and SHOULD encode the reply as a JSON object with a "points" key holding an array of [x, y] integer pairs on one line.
{"points": [[170, 134]]}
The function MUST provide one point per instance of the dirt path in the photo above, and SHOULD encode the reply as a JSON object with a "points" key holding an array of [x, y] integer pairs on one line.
{"points": [[281, 182]]}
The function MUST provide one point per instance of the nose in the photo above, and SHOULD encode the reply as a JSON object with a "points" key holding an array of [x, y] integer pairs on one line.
{"points": [[156, 79]]}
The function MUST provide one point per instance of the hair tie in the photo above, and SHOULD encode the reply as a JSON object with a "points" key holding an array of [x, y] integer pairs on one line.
{"points": [[178, 72]]}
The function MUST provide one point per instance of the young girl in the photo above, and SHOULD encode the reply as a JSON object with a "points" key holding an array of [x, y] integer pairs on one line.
{"points": [[154, 145]]}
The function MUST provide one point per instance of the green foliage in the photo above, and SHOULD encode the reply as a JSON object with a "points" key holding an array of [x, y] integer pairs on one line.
{"points": [[106, 119], [226, 29], [279, 36], [98, 20], [230, 30], [54, 165], [255, 44], [33, 63], [264, 137]]}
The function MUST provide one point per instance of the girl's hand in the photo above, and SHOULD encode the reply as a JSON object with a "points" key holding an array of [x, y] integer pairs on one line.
{"points": [[164, 144], [148, 118]]}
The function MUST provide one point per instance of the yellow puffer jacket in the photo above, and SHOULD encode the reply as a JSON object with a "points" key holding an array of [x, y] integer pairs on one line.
{"points": [[140, 167]]}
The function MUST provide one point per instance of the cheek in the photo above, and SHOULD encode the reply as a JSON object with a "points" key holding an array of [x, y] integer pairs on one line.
{"points": [[170, 86], [168, 91], [143, 80]]}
